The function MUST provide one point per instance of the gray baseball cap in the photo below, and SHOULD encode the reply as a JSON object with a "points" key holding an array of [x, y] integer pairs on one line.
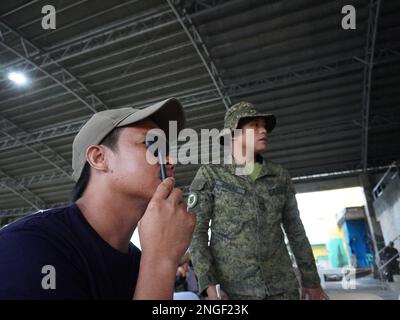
{"points": [[102, 123]]}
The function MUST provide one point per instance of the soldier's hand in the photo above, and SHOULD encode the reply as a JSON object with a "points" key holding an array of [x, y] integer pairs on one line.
{"points": [[212, 293], [313, 294], [166, 228]]}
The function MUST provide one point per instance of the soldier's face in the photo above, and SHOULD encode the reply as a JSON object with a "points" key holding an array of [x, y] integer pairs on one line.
{"points": [[254, 132], [131, 173]]}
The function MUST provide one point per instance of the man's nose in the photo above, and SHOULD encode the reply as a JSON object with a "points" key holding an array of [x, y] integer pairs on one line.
{"points": [[263, 130]]}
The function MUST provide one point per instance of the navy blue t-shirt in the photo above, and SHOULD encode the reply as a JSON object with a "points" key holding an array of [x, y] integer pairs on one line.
{"points": [[61, 242]]}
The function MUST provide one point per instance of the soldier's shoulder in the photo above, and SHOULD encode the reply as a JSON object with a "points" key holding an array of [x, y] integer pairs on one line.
{"points": [[205, 174], [208, 174], [272, 165], [276, 168], [210, 171]]}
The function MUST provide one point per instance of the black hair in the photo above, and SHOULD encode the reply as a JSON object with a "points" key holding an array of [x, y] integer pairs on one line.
{"points": [[243, 121], [111, 141]]}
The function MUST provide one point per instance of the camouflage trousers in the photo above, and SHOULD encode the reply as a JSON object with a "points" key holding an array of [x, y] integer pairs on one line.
{"points": [[288, 295]]}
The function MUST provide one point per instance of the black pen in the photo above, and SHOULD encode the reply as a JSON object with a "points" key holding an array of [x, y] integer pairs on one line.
{"points": [[159, 154]]}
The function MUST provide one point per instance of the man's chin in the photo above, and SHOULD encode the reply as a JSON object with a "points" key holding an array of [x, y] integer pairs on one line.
{"points": [[261, 148], [151, 189]]}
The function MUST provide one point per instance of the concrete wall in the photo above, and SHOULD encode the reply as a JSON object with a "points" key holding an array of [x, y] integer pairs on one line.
{"points": [[387, 210]]}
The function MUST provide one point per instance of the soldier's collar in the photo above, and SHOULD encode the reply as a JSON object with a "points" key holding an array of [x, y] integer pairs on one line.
{"points": [[266, 170]]}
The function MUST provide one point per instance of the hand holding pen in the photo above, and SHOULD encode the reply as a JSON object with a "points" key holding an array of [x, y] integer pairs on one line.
{"points": [[215, 292], [218, 290]]}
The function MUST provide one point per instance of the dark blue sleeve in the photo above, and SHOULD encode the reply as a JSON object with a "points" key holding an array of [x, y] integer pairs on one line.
{"points": [[31, 265]]}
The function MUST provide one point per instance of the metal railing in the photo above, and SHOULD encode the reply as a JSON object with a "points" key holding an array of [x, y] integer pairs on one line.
{"points": [[397, 237], [389, 261], [383, 266], [390, 174]]}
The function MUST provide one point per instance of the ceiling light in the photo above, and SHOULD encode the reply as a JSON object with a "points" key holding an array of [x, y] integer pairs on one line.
{"points": [[18, 77]]}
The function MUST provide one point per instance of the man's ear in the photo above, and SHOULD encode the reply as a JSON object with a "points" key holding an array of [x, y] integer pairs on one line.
{"points": [[96, 157]]}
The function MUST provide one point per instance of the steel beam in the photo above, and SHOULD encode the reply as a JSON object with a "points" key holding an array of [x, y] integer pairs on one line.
{"points": [[55, 131], [78, 22], [23, 211], [18, 8], [8, 128], [114, 56], [64, 78], [294, 76], [372, 28], [121, 31], [201, 5], [114, 83], [344, 64], [26, 182], [21, 191], [334, 174], [188, 99], [201, 49], [300, 75]]}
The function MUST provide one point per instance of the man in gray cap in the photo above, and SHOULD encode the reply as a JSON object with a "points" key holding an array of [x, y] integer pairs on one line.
{"points": [[83, 251], [246, 256]]}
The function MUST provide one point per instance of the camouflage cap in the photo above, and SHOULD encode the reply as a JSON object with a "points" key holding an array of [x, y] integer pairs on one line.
{"points": [[242, 110]]}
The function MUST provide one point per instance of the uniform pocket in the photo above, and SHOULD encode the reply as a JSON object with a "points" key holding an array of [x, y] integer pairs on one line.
{"points": [[227, 195], [277, 190], [228, 218], [276, 197]]}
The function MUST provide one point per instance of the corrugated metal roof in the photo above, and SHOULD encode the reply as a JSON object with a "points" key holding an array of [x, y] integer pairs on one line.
{"points": [[291, 58]]}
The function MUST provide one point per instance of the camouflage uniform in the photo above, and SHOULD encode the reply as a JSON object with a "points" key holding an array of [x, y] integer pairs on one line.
{"points": [[247, 253]]}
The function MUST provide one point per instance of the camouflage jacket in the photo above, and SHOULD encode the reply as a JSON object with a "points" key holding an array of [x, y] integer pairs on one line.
{"points": [[247, 253]]}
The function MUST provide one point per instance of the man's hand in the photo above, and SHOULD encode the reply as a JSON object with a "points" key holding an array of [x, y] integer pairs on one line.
{"points": [[212, 293], [166, 227], [313, 294], [165, 232]]}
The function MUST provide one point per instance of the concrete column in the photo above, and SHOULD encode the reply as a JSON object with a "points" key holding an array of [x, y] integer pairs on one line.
{"points": [[374, 226]]}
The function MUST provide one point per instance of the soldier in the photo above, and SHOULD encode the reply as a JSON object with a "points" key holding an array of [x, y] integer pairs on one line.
{"points": [[246, 254], [393, 266]]}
